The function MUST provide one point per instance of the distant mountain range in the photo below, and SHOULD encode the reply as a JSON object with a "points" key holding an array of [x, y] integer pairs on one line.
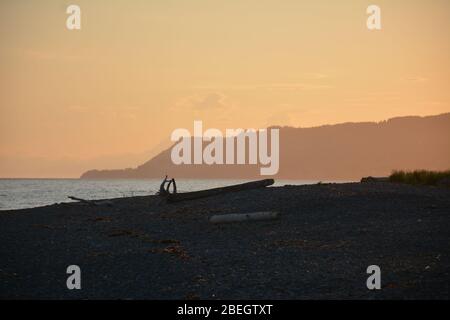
{"points": [[344, 151]]}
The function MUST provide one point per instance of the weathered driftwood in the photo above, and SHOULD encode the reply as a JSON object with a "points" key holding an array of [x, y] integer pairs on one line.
{"points": [[92, 202], [238, 217], [374, 179], [174, 197]]}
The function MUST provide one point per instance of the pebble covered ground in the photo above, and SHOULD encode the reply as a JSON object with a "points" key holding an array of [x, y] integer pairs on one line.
{"points": [[319, 248]]}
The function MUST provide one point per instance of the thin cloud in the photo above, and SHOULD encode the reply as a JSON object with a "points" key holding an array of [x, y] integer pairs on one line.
{"points": [[296, 86], [45, 55], [417, 79], [270, 86], [211, 101], [316, 75]]}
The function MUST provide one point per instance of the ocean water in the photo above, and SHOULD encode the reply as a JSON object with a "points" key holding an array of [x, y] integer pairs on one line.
{"points": [[29, 193]]}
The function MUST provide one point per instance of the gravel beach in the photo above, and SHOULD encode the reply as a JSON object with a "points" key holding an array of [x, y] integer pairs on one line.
{"points": [[319, 248]]}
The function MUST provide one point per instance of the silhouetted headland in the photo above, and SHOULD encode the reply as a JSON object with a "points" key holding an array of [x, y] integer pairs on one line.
{"points": [[345, 151]]}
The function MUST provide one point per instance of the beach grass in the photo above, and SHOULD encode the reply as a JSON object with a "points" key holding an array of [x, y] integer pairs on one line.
{"points": [[419, 177]]}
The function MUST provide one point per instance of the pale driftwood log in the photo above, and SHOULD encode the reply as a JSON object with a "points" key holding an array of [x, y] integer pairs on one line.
{"points": [[175, 197], [92, 202], [239, 217]]}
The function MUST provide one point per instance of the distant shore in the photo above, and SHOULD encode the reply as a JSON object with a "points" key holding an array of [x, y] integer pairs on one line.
{"points": [[319, 248]]}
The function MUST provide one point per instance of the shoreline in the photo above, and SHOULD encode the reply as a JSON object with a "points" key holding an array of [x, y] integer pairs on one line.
{"points": [[34, 193]]}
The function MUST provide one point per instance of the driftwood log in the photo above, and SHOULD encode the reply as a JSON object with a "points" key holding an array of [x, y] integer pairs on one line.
{"points": [[175, 197], [374, 179], [239, 217], [92, 202]]}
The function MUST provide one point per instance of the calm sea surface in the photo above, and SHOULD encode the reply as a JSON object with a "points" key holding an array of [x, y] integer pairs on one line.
{"points": [[28, 193]]}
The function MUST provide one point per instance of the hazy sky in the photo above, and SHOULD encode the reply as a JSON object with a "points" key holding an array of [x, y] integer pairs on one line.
{"points": [[107, 95]]}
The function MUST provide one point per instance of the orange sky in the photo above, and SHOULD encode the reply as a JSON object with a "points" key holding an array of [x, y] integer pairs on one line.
{"points": [[110, 94]]}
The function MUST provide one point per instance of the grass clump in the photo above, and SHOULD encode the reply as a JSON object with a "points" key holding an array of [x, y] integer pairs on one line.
{"points": [[419, 177]]}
